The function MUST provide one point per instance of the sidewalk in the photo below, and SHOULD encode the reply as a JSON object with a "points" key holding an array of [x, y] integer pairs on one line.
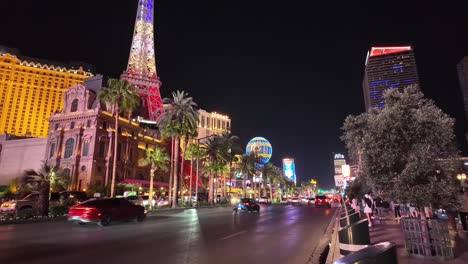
{"points": [[390, 230]]}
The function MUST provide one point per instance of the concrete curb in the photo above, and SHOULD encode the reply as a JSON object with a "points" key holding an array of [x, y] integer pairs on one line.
{"points": [[334, 252], [33, 220], [325, 239]]}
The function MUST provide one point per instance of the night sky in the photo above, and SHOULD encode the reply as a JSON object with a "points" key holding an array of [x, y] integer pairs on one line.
{"points": [[289, 71]]}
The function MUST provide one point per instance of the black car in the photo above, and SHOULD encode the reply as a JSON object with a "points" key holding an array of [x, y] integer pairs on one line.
{"points": [[246, 204]]}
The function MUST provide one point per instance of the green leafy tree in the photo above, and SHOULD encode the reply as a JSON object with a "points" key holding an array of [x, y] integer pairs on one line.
{"points": [[178, 118], [400, 147], [158, 159], [44, 181], [120, 96]]}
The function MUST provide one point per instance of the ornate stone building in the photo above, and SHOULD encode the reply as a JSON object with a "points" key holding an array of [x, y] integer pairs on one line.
{"points": [[80, 141]]}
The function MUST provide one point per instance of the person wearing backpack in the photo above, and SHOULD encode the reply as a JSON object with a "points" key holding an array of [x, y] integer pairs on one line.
{"points": [[368, 203]]}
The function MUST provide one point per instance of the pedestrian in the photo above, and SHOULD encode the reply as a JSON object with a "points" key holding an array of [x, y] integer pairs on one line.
{"points": [[354, 204], [378, 202], [396, 209], [412, 210], [463, 209], [368, 204]]}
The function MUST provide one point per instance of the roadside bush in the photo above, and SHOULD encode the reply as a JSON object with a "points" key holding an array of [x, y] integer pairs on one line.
{"points": [[25, 213], [58, 210]]}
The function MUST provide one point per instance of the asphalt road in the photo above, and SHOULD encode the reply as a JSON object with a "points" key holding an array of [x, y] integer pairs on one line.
{"points": [[278, 234]]}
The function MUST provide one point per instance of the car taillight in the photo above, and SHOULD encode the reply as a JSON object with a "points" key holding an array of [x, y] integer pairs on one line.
{"points": [[246, 203]]}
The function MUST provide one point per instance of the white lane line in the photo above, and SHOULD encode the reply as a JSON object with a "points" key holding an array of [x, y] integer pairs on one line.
{"points": [[233, 235]]}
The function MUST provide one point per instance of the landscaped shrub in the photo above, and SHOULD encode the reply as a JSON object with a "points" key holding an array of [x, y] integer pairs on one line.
{"points": [[58, 210]]}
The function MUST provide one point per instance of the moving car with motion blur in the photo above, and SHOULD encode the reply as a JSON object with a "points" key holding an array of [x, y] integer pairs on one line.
{"points": [[104, 211], [246, 204], [322, 201]]}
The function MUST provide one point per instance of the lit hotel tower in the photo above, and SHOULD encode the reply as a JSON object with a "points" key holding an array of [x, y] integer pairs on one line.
{"points": [[141, 68], [387, 67]]}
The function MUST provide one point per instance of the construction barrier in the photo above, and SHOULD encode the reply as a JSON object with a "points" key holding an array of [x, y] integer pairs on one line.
{"points": [[347, 220], [381, 253], [354, 237]]}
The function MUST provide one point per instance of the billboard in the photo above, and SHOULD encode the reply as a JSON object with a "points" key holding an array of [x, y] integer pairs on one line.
{"points": [[289, 170], [338, 162]]}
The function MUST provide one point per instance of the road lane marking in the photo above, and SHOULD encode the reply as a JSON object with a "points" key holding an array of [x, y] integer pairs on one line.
{"points": [[233, 235]]}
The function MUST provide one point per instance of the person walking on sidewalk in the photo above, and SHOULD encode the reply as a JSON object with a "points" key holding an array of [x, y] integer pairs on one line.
{"points": [[463, 210], [396, 209], [378, 202], [368, 204]]}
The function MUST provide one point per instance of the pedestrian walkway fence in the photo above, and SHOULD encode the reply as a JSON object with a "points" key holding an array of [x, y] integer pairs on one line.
{"points": [[427, 238]]}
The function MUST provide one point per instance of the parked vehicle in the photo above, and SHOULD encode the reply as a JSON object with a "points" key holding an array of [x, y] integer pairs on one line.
{"points": [[311, 201], [29, 202], [104, 211], [246, 204], [322, 201]]}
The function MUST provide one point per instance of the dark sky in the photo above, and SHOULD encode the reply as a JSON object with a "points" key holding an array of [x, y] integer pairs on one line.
{"points": [[289, 71]]}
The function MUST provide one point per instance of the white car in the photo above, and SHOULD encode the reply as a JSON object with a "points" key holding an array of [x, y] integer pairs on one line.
{"points": [[295, 201], [264, 199]]}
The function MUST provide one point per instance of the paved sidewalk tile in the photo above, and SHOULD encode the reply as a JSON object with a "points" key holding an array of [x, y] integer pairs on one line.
{"points": [[391, 230]]}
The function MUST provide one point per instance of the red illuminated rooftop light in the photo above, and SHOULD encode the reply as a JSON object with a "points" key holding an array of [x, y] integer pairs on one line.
{"points": [[376, 51]]}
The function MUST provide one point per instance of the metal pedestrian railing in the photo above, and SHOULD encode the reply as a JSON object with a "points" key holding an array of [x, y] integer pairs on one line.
{"points": [[427, 238]]}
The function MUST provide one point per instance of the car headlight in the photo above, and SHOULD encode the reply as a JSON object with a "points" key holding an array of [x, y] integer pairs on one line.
{"points": [[8, 204]]}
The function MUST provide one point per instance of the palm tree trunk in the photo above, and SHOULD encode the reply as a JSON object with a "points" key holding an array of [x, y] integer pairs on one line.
{"points": [[191, 179], [271, 190], [150, 196], [176, 163], [44, 198], [230, 178], [114, 165], [182, 178], [244, 186], [210, 189], [171, 173]]}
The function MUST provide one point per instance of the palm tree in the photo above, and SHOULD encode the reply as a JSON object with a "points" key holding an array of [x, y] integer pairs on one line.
{"points": [[246, 166], [158, 159], [273, 175], [120, 95], [194, 151], [45, 180], [177, 119], [212, 148], [230, 148]]}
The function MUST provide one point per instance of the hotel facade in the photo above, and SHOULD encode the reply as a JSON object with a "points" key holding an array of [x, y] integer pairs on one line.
{"points": [[30, 91]]}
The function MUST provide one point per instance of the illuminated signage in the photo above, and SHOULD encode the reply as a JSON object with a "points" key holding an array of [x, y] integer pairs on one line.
{"points": [[339, 156], [289, 169], [376, 51]]}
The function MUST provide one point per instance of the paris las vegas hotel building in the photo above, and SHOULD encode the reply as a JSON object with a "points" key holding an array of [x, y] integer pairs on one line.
{"points": [[50, 113]]}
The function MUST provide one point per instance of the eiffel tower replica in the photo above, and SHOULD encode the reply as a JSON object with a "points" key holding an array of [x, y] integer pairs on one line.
{"points": [[141, 68]]}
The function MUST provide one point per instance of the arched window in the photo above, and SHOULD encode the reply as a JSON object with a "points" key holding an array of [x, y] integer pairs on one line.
{"points": [[72, 125], [69, 148], [88, 123], [74, 106]]}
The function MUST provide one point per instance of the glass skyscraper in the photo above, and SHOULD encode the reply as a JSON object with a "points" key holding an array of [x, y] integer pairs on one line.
{"points": [[388, 67]]}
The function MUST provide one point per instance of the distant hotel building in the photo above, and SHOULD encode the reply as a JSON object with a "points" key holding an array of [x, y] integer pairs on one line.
{"points": [[462, 69], [30, 91], [387, 67], [212, 123]]}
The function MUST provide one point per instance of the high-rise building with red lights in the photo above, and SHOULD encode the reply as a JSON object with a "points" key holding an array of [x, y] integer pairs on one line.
{"points": [[388, 67]]}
